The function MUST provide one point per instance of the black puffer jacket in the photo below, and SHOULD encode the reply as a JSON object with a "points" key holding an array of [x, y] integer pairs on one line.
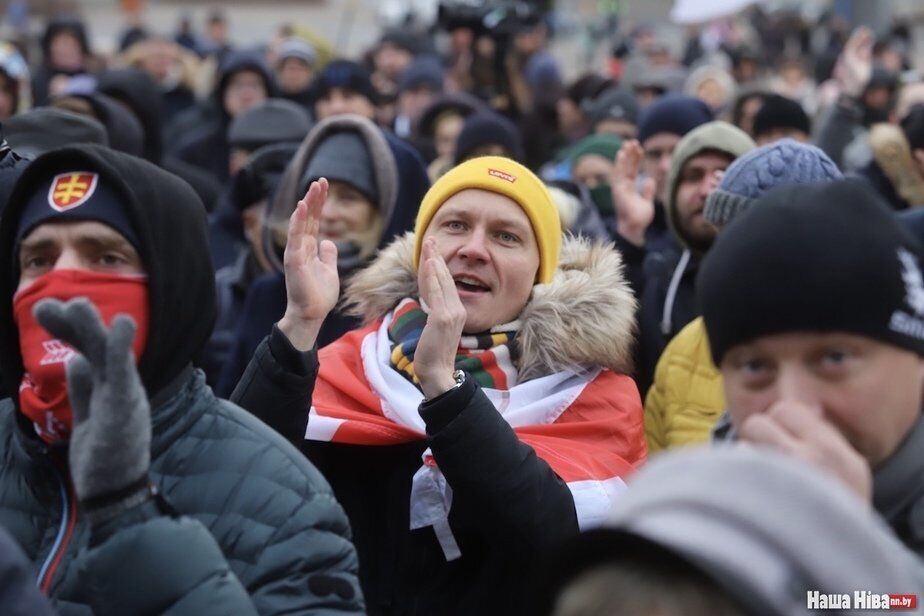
{"points": [[234, 482], [247, 524]]}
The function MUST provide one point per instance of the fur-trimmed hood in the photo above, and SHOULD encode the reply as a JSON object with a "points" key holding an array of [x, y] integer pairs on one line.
{"points": [[893, 155], [584, 317]]}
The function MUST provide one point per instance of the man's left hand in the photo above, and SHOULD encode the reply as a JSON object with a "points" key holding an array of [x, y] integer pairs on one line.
{"points": [[435, 357]]}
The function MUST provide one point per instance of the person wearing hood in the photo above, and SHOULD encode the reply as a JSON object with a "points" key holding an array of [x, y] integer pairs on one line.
{"points": [[344, 87], [123, 129], [830, 367], [665, 281], [132, 469], [65, 53], [484, 308], [661, 126], [296, 64], [377, 182], [685, 400], [896, 171], [139, 93], [733, 531], [244, 82]]}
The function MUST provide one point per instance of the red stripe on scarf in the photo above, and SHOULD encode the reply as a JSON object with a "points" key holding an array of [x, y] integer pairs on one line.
{"points": [[601, 435]]}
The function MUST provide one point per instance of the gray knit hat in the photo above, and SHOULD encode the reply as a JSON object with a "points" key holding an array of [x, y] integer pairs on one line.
{"points": [[344, 157], [767, 527], [779, 163]]}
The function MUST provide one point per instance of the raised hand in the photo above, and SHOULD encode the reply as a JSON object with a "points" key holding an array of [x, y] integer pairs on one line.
{"points": [[312, 281], [802, 432], [855, 64], [634, 209], [111, 438], [435, 357]]}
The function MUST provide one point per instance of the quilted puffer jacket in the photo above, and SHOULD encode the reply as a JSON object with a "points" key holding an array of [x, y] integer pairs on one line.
{"points": [[229, 477], [686, 399]]}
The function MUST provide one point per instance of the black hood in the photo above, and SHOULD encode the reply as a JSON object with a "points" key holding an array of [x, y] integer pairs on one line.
{"points": [[170, 223], [140, 93], [235, 62], [70, 25], [125, 131]]}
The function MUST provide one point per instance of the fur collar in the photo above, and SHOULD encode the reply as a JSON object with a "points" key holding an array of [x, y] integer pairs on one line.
{"points": [[585, 317], [893, 155]]}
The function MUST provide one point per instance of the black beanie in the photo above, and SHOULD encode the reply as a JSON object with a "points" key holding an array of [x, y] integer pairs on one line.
{"points": [[779, 112], [488, 128], [817, 258]]}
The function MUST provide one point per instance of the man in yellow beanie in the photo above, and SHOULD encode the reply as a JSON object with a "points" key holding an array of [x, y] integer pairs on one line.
{"points": [[483, 413]]}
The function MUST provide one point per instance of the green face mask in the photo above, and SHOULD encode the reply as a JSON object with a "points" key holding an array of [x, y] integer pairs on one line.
{"points": [[602, 196]]}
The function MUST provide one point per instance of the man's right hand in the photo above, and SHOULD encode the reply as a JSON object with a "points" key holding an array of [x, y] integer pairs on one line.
{"points": [[855, 64], [803, 432], [634, 209], [312, 281]]}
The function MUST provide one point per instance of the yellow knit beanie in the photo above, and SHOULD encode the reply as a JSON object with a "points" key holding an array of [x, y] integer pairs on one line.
{"points": [[505, 177]]}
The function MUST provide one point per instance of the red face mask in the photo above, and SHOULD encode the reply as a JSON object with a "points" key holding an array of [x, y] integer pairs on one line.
{"points": [[43, 391]]}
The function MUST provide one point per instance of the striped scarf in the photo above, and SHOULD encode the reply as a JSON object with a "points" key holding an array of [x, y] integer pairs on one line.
{"points": [[488, 358]]}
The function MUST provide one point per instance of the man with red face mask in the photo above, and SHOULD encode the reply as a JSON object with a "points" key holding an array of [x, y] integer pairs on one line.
{"points": [[114, 450]]}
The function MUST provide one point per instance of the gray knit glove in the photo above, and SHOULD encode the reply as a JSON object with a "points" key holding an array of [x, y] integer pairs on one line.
{"points": [[111, 438]]}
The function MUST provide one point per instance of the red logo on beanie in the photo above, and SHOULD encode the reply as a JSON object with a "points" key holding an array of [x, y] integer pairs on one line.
{"points": [[70, 190], [502, 175]]}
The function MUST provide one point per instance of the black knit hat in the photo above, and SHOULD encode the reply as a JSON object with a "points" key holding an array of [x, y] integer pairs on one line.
{"points": [[820, 258], [779, 112], [348, 75], [488, 128]]}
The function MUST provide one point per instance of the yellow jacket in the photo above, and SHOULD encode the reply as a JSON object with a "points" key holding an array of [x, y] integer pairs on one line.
{"points": [[686, 398]]}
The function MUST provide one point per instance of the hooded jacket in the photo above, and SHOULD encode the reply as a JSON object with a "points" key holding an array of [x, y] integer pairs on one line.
{"points": [[200, 135], [122, 127], [140, 93], [253, 519], [668, 298], [510, 500], [402, 182], [45, 73]]}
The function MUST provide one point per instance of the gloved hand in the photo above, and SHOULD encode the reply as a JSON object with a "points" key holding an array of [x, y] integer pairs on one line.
{"points": [[111, 436]]}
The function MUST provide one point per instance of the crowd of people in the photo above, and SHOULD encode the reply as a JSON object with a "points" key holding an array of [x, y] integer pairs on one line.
{"points": [[454, 328]]}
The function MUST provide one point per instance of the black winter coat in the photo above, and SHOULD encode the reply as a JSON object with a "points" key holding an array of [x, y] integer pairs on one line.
{"points": [[509, 508], [258, 529]]}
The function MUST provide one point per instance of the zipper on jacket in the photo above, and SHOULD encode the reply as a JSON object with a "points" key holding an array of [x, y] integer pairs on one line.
{"points": [[65, 531]]}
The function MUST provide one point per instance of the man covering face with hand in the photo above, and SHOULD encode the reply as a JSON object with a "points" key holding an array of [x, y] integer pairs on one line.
{"points": [[814, 305]]}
